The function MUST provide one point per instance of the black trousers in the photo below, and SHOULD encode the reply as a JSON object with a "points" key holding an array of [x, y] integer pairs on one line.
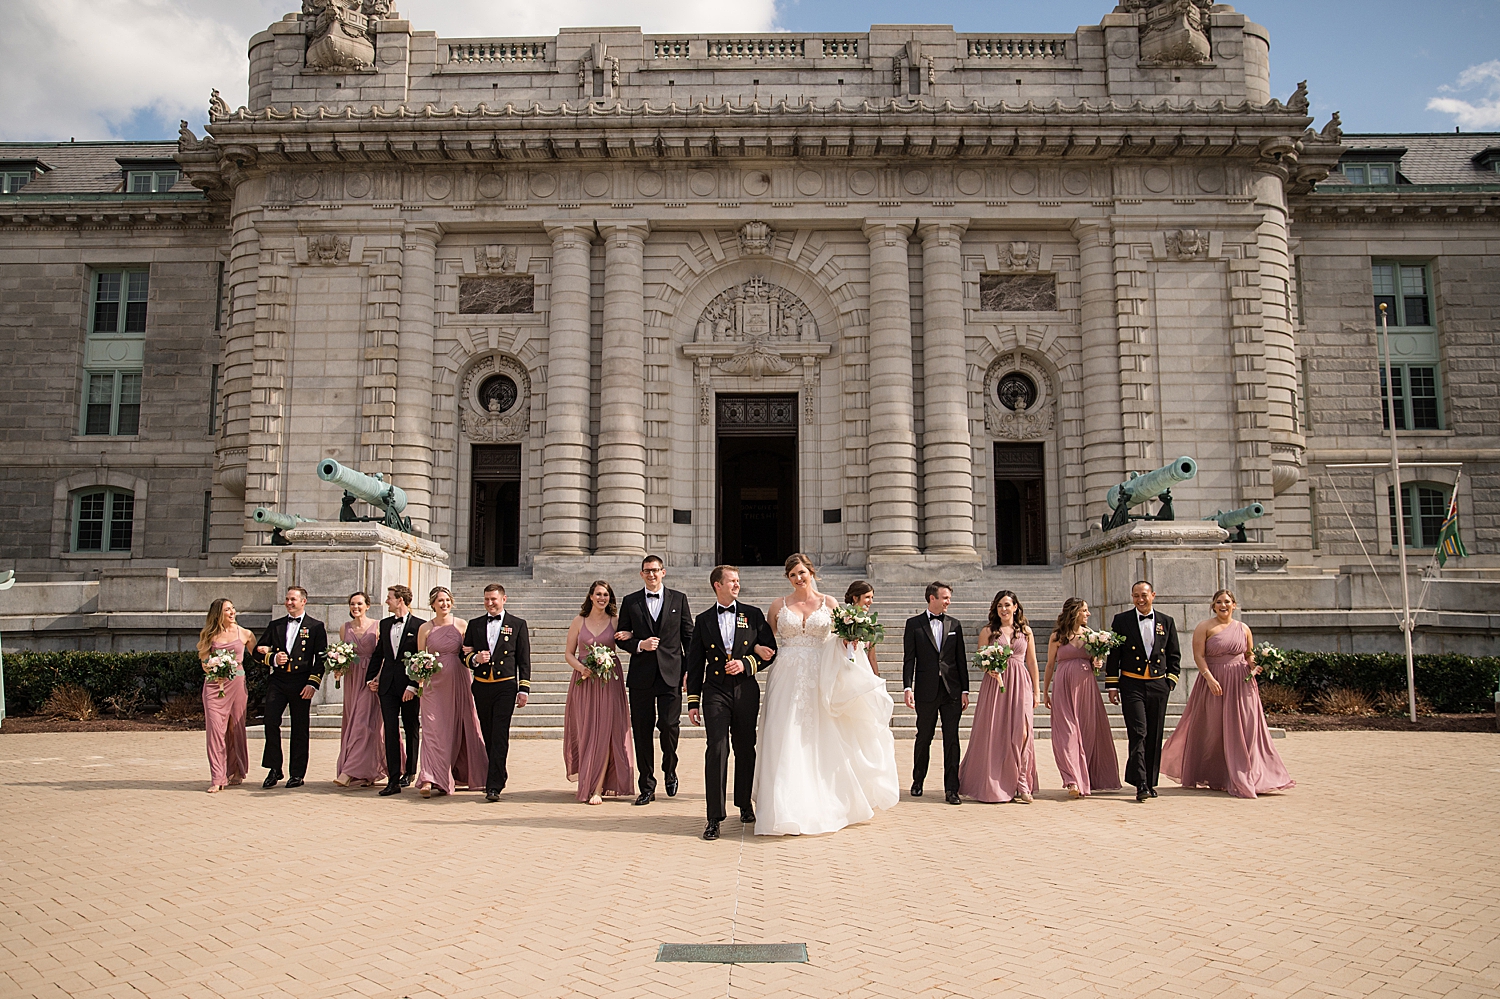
{"points": [[729, 715], [928, 713], [282, 692], [496, 704], [408, 714], [1144, 705], [659, 708]]}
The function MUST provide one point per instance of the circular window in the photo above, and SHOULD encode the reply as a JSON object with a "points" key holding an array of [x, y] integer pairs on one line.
{"points": [[1016, 392], [497, 394]]}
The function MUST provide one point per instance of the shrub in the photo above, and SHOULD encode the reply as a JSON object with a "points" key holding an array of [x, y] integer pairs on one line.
{"points": [[183, 708], [125, 705], [1451, 683], [1344, 701], [1278, 698], [150, 677], [70, 701], [1394, 702]]}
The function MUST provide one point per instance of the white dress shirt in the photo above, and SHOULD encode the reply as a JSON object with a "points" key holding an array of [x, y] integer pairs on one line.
{"points": [[653, 603], [936, 624], [398, 628], [293, 625], [492, 630], [726, 625], [1148, 630]]}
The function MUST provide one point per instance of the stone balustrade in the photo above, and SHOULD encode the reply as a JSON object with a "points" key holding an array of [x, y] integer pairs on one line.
{"points": [[1049, 47], [484, 51]]}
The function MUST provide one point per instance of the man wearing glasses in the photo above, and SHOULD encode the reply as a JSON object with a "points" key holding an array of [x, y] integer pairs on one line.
{"points": [[655, 627]]}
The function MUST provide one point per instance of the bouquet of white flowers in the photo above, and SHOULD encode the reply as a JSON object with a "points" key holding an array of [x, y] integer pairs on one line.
{"points": [[339, 657], [993, 659], [601, 663], [853, 623], [222, 666], [1269, 658], [1100, 643], [422, 667]]}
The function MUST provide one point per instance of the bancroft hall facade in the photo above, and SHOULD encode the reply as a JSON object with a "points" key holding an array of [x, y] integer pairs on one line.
{"points": [[909, 300]]}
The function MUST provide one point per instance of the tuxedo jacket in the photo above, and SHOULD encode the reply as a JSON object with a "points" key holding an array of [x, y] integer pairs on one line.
{"points": [[707, 657], [674, 626], [1130, 659], [390, 666], [304, 660], [934, 671], [510, 659]]}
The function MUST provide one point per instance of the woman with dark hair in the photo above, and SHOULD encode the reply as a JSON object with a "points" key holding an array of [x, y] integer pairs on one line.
{"points": [[862, 594], [1082, 742], [224, 700], [596, 720], [452, 750], [1000, 761], [362, 734]]}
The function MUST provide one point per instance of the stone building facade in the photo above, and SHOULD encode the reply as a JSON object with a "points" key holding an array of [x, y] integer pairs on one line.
{"points": [[910, 300]]}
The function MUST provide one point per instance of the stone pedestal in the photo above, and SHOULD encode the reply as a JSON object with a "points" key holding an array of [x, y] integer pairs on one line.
{"points": [[335, 560], [1185, 561]]}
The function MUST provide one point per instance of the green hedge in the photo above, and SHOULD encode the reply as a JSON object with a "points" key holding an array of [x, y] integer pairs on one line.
{"points": [[1452, 683], [159, 676]]}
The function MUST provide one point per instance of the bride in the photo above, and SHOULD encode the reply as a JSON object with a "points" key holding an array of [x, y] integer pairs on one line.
{"points": [[826, 757]]}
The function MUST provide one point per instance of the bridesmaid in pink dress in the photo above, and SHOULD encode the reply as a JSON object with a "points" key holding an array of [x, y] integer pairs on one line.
{"points": [[1222, 741], [224, 717], [1082, 743], [362, 746], [1000, 761], [596, 721], [452, 750]]}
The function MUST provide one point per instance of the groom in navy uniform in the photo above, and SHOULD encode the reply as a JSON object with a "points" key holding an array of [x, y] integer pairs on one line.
{"points": [[660, 627], [1140, 675], [730, 643], [935, 675], [292, 649]]}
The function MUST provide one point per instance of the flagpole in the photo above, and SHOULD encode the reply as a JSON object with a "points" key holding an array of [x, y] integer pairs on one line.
{"points": [[1406, 622]]}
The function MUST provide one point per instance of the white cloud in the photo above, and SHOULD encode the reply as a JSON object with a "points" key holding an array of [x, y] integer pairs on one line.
{"points": [[1484, 110], [98, 69]]}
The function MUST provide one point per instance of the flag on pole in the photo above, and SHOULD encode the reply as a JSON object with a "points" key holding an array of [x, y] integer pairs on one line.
{"points": [[1449, 543]]}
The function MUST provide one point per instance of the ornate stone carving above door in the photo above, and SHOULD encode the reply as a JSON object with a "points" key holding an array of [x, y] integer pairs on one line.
{"points": [[1018, 403], [495, 400], [755, 329]]}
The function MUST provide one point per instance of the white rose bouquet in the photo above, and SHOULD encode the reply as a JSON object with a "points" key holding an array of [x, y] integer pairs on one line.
{"points": [[422, 667], [601, 663], [221, 666], [339, 657], [1101, 643], [993, 659], [853, 623], [1268, 659]]}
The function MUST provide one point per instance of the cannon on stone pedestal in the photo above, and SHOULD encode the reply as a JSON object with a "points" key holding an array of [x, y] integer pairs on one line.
{"points": [[279, 522], [1233, 521], [1139, 488], [372, 489]]}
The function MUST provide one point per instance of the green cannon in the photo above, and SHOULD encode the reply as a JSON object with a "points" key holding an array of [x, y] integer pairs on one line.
{"points": [[372, 489], [279, 522], [1140, 488], [1233, 521]]}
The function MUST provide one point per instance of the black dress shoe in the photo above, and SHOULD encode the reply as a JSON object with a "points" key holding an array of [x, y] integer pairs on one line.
{"points": [[294, 782], [1151, 791], [916, 790], [1142, 794], [272, 779], [952, 798], [394, 787], [671, 782], [406, 779], [711, 831], [491, 795], [645, 798], [747, 815]]}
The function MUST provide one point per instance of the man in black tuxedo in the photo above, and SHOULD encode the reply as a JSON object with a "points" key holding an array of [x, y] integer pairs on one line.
{"points": [[730, 643], [660, 627], [935, 675], [400, 701], [1140, 675], [292, 649], [497, 647]]}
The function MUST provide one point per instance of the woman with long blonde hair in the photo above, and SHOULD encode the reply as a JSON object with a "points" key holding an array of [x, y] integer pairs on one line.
{"points": [[452, 750], [224, 700], [1082, 743]]}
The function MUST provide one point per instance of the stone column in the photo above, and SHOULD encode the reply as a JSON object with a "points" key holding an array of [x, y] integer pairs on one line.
{"points": [[892, 440], [411, 464], [565, 449], [1271, 422], [622, 392], [1103, 429], [947, 451]]}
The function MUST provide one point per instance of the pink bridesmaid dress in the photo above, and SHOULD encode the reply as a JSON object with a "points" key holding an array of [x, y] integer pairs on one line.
{"points": [[362, 746], [1222, 741], [224, 721], [596, 727], [1000, 761], [452, 750], [1082, 743]]}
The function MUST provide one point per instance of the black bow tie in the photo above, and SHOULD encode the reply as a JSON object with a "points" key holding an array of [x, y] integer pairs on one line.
{"points": [[727, 610], [1148, 617], [652, 596], [398, 620], [494, 617], [294, 620], [934, 617]]}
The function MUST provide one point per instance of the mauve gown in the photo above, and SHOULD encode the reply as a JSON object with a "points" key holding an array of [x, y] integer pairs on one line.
{"points": [[1000, 761], [452, 747], [1222, 742], [1082, 743], [362, 749], [596, 726], [224, 721]]}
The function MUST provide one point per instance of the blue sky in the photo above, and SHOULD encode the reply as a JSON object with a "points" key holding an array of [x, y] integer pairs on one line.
{"points": [[129, 69]]}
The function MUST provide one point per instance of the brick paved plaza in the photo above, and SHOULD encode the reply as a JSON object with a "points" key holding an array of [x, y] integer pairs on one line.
{"points": [[1379, 875]]}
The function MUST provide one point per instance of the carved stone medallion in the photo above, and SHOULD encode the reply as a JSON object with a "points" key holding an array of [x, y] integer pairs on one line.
{"points": [[495, 400]]}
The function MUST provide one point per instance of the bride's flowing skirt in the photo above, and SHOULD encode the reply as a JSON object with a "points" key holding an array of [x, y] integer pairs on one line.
{"points": [[826, 757]]}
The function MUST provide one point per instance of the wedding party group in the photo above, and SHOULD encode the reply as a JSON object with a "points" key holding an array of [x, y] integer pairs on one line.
{"points": [[816, 756]]}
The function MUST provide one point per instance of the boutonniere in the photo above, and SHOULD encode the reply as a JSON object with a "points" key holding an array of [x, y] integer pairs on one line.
{"points": [[1161, 629], [741, 621]]}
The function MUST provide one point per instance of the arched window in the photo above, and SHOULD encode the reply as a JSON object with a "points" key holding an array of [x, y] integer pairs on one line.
{"points": [[1424, 506], [103, 520]]}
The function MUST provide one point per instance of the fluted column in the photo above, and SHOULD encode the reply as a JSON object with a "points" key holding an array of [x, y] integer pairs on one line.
{"points": [[622, 389], [411, 457], [892, 441], [1103, 429], [565, 448], [947, 452]]}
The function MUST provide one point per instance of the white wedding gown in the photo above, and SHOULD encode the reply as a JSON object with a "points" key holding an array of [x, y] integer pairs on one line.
{"points": [[825, 756]]}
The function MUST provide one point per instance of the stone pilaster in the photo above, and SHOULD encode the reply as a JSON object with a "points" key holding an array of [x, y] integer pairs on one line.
{"points": [[947, 451], [622, 391], [411, 462], [1282, 431], [565, 449], [237, 378], [1103, 428], [892, 440]]}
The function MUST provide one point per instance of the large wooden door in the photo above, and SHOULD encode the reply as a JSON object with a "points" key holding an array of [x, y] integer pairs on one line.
{"points": [[1020, 505]]}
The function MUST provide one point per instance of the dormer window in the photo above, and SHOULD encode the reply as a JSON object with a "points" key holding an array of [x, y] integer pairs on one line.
{"points": [[1372, 174], [1373, 167], [153, 181], [12, 181], [1487, 159]]}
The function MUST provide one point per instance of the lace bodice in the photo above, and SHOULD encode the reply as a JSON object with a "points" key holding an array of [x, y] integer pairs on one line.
{"points": [[810, 631]]}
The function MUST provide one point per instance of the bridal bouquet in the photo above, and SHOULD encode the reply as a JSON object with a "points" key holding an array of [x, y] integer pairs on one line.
{"points": [[339, 657], [853, 623], [222, 666], [422, 667], [1269, 658], [1100, 643], [600, 661], [993, 659]]}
